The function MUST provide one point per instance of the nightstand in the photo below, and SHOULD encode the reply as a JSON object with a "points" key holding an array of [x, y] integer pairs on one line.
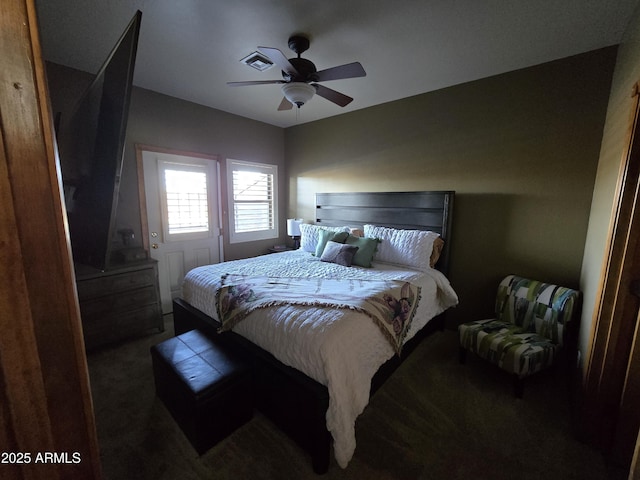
{"points": [[280, 249]]}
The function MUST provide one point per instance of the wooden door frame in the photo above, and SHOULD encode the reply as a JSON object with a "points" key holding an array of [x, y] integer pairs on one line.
{"points": [[610, 417], [45, 397]]}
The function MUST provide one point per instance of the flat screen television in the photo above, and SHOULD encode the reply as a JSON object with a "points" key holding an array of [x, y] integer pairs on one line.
{"points": [[91, 149]]}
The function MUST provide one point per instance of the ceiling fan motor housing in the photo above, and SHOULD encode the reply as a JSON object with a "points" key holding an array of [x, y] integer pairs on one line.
{"points": [[306, 71]]}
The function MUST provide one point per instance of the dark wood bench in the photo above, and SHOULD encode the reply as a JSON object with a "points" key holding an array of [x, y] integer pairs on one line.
{"points": [[205, 387]]}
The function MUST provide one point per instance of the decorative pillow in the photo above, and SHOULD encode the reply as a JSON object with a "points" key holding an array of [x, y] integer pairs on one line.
{"points": [[326, 235], [438, 245], [411, 248], [309, 235], [366, 249], [339, 253]]}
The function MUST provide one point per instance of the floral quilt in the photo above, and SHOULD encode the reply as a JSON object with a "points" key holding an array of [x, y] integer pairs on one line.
{"points": [[391, 304]]}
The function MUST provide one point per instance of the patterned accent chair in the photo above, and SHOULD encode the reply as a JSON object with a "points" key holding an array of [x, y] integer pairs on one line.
{"points": [[529, 330]]}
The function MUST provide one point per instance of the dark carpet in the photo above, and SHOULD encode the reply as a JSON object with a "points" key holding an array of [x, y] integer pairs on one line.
{"points": [[434, 419]]}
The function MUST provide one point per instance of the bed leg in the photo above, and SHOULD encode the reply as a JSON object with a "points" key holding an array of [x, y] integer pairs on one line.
{"points": [[320, 462], [321, 449]]}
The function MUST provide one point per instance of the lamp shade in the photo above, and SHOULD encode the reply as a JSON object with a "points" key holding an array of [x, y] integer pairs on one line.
{"points": [[298, 93], [293, 227]]}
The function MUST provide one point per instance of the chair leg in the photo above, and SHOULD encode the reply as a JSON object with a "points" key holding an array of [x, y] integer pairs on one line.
{"points": [[462, 355], [518, 386]]}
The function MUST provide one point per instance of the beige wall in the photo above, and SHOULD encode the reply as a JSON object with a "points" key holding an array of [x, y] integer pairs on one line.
{"points": [[162, 121], [614, 143], [520, 150]]}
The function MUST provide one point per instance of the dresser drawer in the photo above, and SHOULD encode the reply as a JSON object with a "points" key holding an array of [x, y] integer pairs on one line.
{"points": [[110, 304], [111, 284], [98, 332]]}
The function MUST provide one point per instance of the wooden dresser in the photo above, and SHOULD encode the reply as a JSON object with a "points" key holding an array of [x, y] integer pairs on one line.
{"points": [[119, 303]]}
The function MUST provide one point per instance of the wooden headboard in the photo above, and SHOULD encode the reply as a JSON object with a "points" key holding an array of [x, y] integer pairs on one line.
{"points": [[406, 210]]}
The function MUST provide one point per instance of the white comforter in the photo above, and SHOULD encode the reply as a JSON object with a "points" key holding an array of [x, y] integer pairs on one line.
{"points": [[341, 349]]}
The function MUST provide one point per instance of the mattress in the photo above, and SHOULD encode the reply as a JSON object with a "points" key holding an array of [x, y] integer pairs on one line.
{"points": [[339, 348]]}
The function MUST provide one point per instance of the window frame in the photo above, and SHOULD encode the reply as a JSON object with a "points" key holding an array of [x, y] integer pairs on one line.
{"points": [[265, 234]]}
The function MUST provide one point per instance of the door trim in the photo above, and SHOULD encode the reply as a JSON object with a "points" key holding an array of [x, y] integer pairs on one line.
{"points": [[609, 388]]}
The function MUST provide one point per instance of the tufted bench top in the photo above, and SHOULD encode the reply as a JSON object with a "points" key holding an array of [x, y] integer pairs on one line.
{"points": [[203, 366]]}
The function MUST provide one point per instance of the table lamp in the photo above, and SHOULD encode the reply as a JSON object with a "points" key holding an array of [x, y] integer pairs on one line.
{"points": [[293, 230]]}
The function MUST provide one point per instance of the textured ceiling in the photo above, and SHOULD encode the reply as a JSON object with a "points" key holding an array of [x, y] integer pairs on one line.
{"points": [[190, 48]]}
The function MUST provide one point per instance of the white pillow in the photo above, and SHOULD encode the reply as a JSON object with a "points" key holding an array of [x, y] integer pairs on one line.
{"points": [[411, 248], [309, 235]]}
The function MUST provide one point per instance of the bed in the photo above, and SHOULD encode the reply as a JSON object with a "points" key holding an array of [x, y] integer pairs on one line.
{"points": [[316, 363]]}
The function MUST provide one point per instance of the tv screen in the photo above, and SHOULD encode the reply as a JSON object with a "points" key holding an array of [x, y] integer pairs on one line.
{"points": [[91, 149]]}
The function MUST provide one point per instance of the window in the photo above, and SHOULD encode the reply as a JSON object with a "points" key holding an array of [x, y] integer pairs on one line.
{"points": [[253, 202], [184, 197]]}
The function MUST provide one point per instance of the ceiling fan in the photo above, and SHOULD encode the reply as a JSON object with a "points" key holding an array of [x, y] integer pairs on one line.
{"points": [[300, 76]]}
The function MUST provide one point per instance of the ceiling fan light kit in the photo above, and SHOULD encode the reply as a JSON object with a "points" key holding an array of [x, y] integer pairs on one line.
{"points": [[298, 93], [299, 73]]}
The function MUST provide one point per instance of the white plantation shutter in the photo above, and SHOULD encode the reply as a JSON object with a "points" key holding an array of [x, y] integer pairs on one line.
{"points": [[252, 201], [187, 205], [184, 200]]}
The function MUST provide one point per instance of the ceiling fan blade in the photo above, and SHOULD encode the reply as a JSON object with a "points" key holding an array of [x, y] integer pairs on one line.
{"points": [[333, 96], [279, 59], [256, 82], [285, 104], [349, 70]]}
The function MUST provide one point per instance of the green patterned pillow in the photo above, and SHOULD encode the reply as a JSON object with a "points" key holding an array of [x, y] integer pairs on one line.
{"points": [[325, 236], [366, 249]]}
